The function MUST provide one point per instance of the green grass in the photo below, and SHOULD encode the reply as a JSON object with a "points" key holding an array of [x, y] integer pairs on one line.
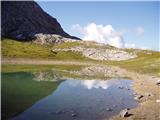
{"points": [[147, 62], [17, 49], [8, 68], [67, 45], [12, 48]]}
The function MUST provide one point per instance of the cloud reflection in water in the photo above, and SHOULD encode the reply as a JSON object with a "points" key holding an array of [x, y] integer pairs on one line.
{"points": [[92, 84]]}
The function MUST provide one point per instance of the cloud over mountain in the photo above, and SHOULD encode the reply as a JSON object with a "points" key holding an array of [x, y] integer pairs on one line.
{"points": [[101, 33]]}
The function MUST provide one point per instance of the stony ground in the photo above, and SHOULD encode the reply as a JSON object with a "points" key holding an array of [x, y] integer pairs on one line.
{"points": [[100, 53]]}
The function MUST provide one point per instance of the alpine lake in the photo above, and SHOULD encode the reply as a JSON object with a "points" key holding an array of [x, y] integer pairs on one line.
{"points": [[51, 95]]}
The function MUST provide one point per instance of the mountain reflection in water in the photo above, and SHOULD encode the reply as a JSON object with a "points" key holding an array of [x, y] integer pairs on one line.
{"points": [[21, 90]]}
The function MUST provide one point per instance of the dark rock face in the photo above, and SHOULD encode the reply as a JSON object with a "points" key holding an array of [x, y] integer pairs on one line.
{"points": [[22, 20]]}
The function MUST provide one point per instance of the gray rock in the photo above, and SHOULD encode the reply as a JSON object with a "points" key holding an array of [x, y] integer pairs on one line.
{"points": [[121, 87], [124, 113], [138, 97], [101, 54], [51, 39]]}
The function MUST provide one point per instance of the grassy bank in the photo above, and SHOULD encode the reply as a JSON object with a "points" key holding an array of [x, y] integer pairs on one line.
{"points": [[34, 68], [147, 62]]}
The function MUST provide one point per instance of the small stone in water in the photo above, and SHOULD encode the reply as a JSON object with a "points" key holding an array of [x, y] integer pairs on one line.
{"points": [[108, 109], [74, 115], [120, 87]]}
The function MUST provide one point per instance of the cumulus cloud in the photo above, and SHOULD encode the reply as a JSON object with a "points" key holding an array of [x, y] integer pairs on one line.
{"points": [[100, 33], [139, 30], [107, 34]]}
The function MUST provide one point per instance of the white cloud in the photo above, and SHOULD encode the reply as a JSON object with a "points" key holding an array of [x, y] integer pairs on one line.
{"points": [[107, 34], [100, 33], [139, 30]]}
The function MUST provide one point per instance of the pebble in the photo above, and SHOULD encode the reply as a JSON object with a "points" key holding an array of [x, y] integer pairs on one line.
{"points": [[121, 87], [138, 97], [108, 109], [124, 113], [74, 115]]}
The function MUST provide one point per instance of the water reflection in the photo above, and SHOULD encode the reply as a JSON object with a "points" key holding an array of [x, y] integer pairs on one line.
{"points": [[47, 76], [95, 84], [82, 100], [91, 84], [21, 90]]}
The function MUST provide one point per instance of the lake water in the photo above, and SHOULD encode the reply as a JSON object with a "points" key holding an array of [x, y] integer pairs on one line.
{"points": [[26, 96]]}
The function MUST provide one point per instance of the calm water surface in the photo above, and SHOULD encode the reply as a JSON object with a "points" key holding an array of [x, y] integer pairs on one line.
{"points": [[69, 99]]}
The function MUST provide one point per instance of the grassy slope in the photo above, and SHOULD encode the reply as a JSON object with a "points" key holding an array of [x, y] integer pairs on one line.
{"points": [[12, 48], [146, 62]]}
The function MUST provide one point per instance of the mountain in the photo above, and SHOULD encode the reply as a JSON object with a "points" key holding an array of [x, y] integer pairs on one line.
{"points": [[25, 20]]}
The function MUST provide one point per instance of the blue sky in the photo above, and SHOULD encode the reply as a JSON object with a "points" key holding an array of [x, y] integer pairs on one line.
{"points": [[137, 21]]}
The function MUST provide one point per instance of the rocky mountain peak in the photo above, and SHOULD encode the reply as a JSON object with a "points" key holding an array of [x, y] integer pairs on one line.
{"points": [[23, 20]]}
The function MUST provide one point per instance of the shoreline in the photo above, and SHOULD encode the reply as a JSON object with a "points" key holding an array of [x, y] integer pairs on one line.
{"points": [[147, 109]]}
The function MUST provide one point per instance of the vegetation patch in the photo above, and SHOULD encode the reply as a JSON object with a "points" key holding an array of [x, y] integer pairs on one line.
{"points": [[17, 49], [147, 62], [34, 68]]}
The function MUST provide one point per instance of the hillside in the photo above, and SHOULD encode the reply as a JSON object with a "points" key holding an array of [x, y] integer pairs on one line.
{"points": [[143, 61], [76, 50], [25, 20]]}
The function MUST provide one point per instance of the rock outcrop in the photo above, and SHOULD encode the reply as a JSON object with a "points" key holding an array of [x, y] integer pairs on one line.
{"points": [[51, 39], [25, 20], [100, 53]]}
